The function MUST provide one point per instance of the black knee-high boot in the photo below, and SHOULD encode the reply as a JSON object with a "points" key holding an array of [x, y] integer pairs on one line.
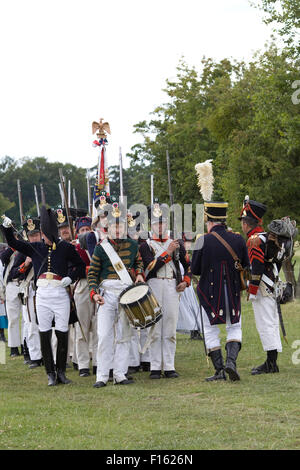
{"points": [[217, 360], [47, 354], [232, 349], [61, 356]]}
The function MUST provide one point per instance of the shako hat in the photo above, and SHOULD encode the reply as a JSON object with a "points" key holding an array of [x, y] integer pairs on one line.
{"points": [[253, 209], [158, 212], [32, 225], [215, 211]]}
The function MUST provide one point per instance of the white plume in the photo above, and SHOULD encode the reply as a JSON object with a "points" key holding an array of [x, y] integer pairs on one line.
{"points": [[205, 179]]}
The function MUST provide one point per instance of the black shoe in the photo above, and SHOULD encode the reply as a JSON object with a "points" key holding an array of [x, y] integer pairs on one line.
{"points": [[27, 360], [195, 334], [219, 375], [232, 349], [217, 360], [155, 374], [51, 379], [145, 366], [14, 352], [133, 369], [269, 366], [171, 374], [61, 377], [84, 373], [124, 382], [35, 363], [99, 384]]}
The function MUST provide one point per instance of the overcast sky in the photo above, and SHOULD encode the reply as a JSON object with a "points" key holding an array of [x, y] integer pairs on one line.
{"points": [[66, 63]]}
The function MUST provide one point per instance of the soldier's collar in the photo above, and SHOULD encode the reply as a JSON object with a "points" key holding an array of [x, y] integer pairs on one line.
{"points": [[258, 229]]}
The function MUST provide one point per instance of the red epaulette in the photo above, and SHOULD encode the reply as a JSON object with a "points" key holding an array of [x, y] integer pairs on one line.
{"points": [[254, 241]]}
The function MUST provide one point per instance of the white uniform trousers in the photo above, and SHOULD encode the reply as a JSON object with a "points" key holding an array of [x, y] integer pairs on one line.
{"points": [[267, 321], [114, 334], [53, 303], [212, 332], [31, 329], [13, 311], [138, 340], [163, 344], [88, 324]]}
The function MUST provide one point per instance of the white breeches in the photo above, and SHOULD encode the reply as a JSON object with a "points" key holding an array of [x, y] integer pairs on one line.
{"points": [[114, 334], [31, 329], [53, 303], [163, 345], [86, 331], [267, 322], [212, 332], [138, 340], [13, 310]]}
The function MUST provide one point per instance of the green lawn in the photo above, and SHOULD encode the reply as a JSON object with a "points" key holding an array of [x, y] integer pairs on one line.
{"points": [[260, 412]]}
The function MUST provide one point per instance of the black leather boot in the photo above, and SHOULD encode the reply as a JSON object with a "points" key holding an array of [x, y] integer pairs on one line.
{"points": [[14, 352], [26, 353], [232, 349], [47, 354], [2, 336], [269, 366], [61, 357], [217, 360]]}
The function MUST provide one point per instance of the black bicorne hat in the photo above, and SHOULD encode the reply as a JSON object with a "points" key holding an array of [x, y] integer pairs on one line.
{"points": [[253, 209], [49, 224]]}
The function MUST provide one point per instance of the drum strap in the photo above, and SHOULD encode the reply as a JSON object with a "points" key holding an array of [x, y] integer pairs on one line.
{"points": [[116, 262]]}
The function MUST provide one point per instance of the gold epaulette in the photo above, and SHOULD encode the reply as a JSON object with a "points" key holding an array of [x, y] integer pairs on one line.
{"points": [[254, 241]]}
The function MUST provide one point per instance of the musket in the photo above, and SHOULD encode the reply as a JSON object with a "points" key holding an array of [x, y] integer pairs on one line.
{"points": [[43, 195], [121, 176], [69, 193], [69, 218], [176, 254], [89, 192], [75, 199], [20, 202], [61, 195], [152, 189], [281, 320], [36, 201]]}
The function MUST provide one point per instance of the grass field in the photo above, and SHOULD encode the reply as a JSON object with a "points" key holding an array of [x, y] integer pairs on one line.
{"points": [[259, 412]]}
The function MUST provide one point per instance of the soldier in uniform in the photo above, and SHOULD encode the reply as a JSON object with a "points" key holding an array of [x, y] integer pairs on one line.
{"points": [[25, 274], [264, 274], [56, 265], [163, 275], [85, 308], [11, 261], [219, 288], [112, 261]]}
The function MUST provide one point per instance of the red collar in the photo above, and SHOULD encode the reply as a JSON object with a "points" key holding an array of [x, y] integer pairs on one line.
{"points": [[258, 229], [162, 240]]}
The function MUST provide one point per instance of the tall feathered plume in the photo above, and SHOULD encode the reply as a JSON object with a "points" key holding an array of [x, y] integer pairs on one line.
{"points": [[205, 179]]}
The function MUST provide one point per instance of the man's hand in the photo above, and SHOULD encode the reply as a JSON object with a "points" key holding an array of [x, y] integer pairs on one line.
{"points": [[28, 260], [181, 286], [6, 221], [172, 247], [139, 278], [98, 299]]}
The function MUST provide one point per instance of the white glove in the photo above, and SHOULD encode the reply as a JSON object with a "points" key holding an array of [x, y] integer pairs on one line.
{"points": [[252, 297], [66, 281], [6, 222]]}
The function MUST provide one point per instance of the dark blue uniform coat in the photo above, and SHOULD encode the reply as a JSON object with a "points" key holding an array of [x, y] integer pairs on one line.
{"points": [[215, 266]]}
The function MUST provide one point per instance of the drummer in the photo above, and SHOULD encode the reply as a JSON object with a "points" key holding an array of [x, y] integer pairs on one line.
{"points": [[114, 262]]}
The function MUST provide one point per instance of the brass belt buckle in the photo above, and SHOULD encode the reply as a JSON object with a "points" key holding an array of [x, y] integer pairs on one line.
{"points": [[49, 276]]}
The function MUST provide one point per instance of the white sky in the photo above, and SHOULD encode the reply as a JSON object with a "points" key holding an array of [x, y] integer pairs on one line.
{"points": [[66, 63]]}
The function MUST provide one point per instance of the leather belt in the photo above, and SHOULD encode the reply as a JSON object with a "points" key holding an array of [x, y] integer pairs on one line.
{"points": [[50, 276]]}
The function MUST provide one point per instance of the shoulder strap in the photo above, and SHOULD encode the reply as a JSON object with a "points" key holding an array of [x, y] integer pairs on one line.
{"points": [[227, 246]]}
